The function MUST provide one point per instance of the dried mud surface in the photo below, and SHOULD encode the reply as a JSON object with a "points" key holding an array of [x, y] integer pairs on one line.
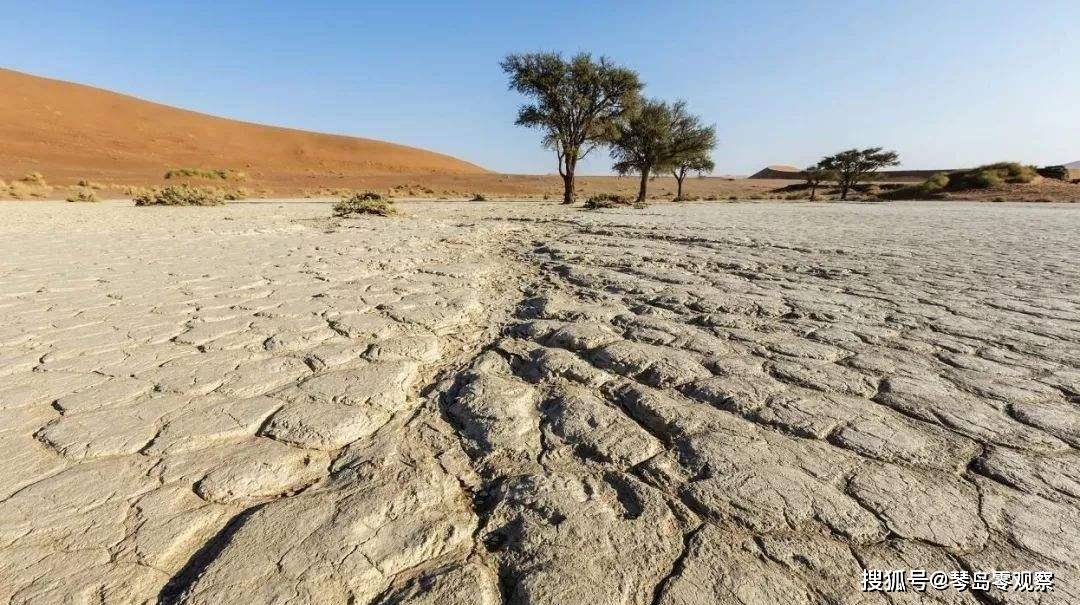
{"points": [[522, 403]]}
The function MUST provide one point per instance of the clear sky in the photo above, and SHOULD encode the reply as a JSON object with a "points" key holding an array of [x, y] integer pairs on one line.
{"points": [[945, 83]]}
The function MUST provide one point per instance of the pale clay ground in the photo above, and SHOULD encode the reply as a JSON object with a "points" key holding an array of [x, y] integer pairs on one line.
{"points": [[521, 403]]}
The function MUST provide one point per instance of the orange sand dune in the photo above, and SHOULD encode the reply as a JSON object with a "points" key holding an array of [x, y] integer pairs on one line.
{"points": [[69, 131]]}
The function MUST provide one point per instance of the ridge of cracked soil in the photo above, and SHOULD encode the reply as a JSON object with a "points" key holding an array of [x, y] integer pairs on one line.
{"points": [[516, 403]]}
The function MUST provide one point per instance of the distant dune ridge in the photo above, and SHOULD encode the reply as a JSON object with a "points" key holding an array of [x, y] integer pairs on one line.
{"points": [[69, 131]]}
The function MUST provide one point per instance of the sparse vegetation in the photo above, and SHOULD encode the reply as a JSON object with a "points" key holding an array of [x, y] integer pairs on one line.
{"points": [[991, 175], [181, 195], [606, 200], [34, 178], [134, 191], [930, 189], [478, 197], [90, 184], [83, 195], [239, 193], [983, 177], [576, 103], [31, 185], [856, 165], [1060, 173], [223, 174], [364, 203]]}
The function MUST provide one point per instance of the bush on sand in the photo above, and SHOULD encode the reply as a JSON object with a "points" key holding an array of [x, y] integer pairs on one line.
{"points": [[1059, 173], [181, 195], [364, 203], [991, 175], [83, 195], [606, 200], [983, 177]]}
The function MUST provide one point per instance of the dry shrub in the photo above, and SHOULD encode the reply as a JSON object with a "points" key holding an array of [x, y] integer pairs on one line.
{"points": [[90, 184], [223, 174], [34, 178], [1059, 173], [83, 195], [237, 194], [22, 190], [364, 203], [134, 191], [606, 200], [181, 195], [31, 185]]}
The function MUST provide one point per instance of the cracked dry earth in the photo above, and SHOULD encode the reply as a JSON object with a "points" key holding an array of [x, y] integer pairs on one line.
{"points": [[520, 403]]}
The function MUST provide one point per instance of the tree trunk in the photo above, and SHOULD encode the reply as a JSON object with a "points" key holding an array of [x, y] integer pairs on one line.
{"points": [[644, 185], [679, 179], [845, 185], [813, 191], [567, 171], [568, 187]]}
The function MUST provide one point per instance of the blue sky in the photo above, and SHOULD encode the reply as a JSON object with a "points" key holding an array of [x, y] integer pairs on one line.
{"points": [[944, 83]]}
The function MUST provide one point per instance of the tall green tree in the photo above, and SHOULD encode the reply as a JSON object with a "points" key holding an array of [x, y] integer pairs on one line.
{"points": [[855, 165], [660, 136], [575, 103]]}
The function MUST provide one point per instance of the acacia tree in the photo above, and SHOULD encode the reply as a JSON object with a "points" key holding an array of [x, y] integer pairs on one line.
{"points": [[575, 103], [700, 164], [855, 165], [658, 136], [816, 175], [691, 142]]}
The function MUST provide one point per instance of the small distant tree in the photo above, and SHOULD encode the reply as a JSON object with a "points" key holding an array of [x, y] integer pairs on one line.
{"points": [[816, 175], [855, 165], [700, 164], [660, 136], [575, 103], [691, 143]]}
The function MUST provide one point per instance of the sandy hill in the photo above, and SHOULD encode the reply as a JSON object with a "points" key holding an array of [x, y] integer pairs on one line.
{"points": [[1073, 165], [69, 131]]}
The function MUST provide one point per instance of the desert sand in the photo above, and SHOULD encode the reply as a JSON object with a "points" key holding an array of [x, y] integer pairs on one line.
{"points": [[70, 132], [522, 403]]}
